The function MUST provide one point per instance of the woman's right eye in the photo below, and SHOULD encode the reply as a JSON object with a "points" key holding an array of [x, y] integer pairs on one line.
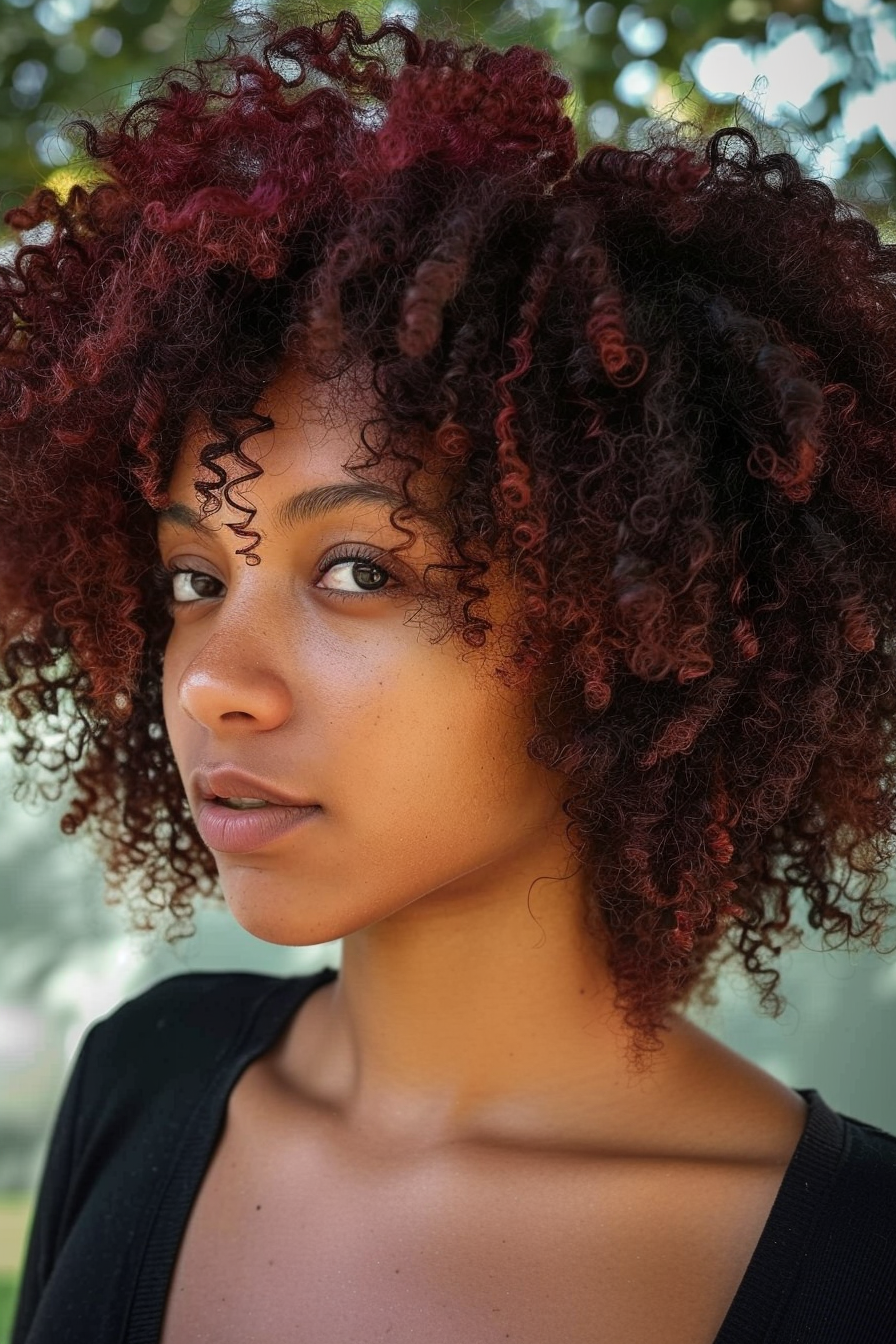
{"points": [[191, 585]]}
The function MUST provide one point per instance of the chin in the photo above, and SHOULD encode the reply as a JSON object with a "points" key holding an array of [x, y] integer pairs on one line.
{"points": [[283, 913]]}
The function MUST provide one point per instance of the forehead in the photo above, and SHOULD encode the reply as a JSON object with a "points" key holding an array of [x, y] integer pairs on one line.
{"points": [[316, 430]]}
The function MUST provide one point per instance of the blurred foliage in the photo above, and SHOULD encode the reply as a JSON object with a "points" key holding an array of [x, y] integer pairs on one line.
{"points": [[8, 1287], [822, 75], [15, 1214]]}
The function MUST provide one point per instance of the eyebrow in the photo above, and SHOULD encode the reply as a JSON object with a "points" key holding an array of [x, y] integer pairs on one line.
{"points": [[304, 507]]}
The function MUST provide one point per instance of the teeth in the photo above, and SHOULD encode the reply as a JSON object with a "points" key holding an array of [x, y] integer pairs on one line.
{"points": [[243, 803]]}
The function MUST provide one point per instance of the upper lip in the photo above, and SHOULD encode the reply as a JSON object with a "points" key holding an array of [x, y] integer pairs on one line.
{"points": [[222, 781]]}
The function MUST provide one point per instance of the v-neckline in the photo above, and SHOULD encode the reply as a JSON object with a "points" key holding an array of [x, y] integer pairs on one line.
{"points": [[770, 1276]]}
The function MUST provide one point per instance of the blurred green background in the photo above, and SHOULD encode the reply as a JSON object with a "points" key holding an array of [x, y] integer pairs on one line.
{"points": [[821, 77]]}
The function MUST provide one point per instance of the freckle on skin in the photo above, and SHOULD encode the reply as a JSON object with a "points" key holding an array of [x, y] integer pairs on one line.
{"points": [[257, 1207]]}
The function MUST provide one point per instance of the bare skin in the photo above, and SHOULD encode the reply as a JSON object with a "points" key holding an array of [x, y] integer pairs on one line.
{"points": [[454, 1114]]}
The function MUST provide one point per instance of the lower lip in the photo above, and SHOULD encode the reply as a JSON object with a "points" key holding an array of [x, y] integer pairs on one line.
{"points": [[232, 831]]}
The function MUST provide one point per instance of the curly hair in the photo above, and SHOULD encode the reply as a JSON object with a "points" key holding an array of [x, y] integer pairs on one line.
{"points": [[662, 383]]}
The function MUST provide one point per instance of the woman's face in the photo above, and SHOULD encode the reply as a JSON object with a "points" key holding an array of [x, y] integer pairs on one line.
{"points": [[315, 679]]}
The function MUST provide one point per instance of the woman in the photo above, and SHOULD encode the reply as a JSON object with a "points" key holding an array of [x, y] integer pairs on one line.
{"points": [[483, 554]]}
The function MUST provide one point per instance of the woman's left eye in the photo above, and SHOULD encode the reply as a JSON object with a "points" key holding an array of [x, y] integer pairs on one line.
{"points": [[351, 560]]}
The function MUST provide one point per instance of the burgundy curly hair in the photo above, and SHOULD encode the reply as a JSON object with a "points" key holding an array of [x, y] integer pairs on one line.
{"points": [[662, 382]]}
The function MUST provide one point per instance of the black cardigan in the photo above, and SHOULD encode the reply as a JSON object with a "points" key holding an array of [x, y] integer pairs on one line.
{"points": [[144, 1108]]}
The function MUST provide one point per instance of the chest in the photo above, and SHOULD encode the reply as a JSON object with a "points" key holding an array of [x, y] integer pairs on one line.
{"points": [[292, 1240]]}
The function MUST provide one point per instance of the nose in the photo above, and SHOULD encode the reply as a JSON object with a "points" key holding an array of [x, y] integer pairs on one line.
{"points": [[228, 687]]}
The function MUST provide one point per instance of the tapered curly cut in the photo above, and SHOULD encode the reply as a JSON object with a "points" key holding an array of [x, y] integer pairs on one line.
{"points": [[661, 382]]}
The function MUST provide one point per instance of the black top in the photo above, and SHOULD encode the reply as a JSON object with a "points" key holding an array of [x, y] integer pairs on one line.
{"points": [[145, 1105]]}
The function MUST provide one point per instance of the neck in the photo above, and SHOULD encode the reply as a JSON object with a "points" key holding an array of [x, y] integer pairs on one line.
{"points": [[475, 1011]]}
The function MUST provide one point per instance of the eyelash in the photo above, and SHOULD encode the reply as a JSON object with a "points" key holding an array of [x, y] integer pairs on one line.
{"points": [[164, 574]]}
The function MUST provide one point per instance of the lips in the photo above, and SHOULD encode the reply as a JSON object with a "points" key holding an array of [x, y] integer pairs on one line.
{"points": [[227, 782], [231, 831], [237, 831]]}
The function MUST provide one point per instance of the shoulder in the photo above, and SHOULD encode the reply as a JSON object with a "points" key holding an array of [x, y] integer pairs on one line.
{"points": [[173, 1038], [153, 1059], [196, 1011], [854, 1163], [843, 1207], [869, 1159], [190, 1000]]}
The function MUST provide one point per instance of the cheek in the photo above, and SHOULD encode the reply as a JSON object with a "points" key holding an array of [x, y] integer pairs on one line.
{"points": [[449, 761]]}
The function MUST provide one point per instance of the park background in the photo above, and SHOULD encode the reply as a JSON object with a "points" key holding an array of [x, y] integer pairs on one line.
{"points": [[820, 80]]}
